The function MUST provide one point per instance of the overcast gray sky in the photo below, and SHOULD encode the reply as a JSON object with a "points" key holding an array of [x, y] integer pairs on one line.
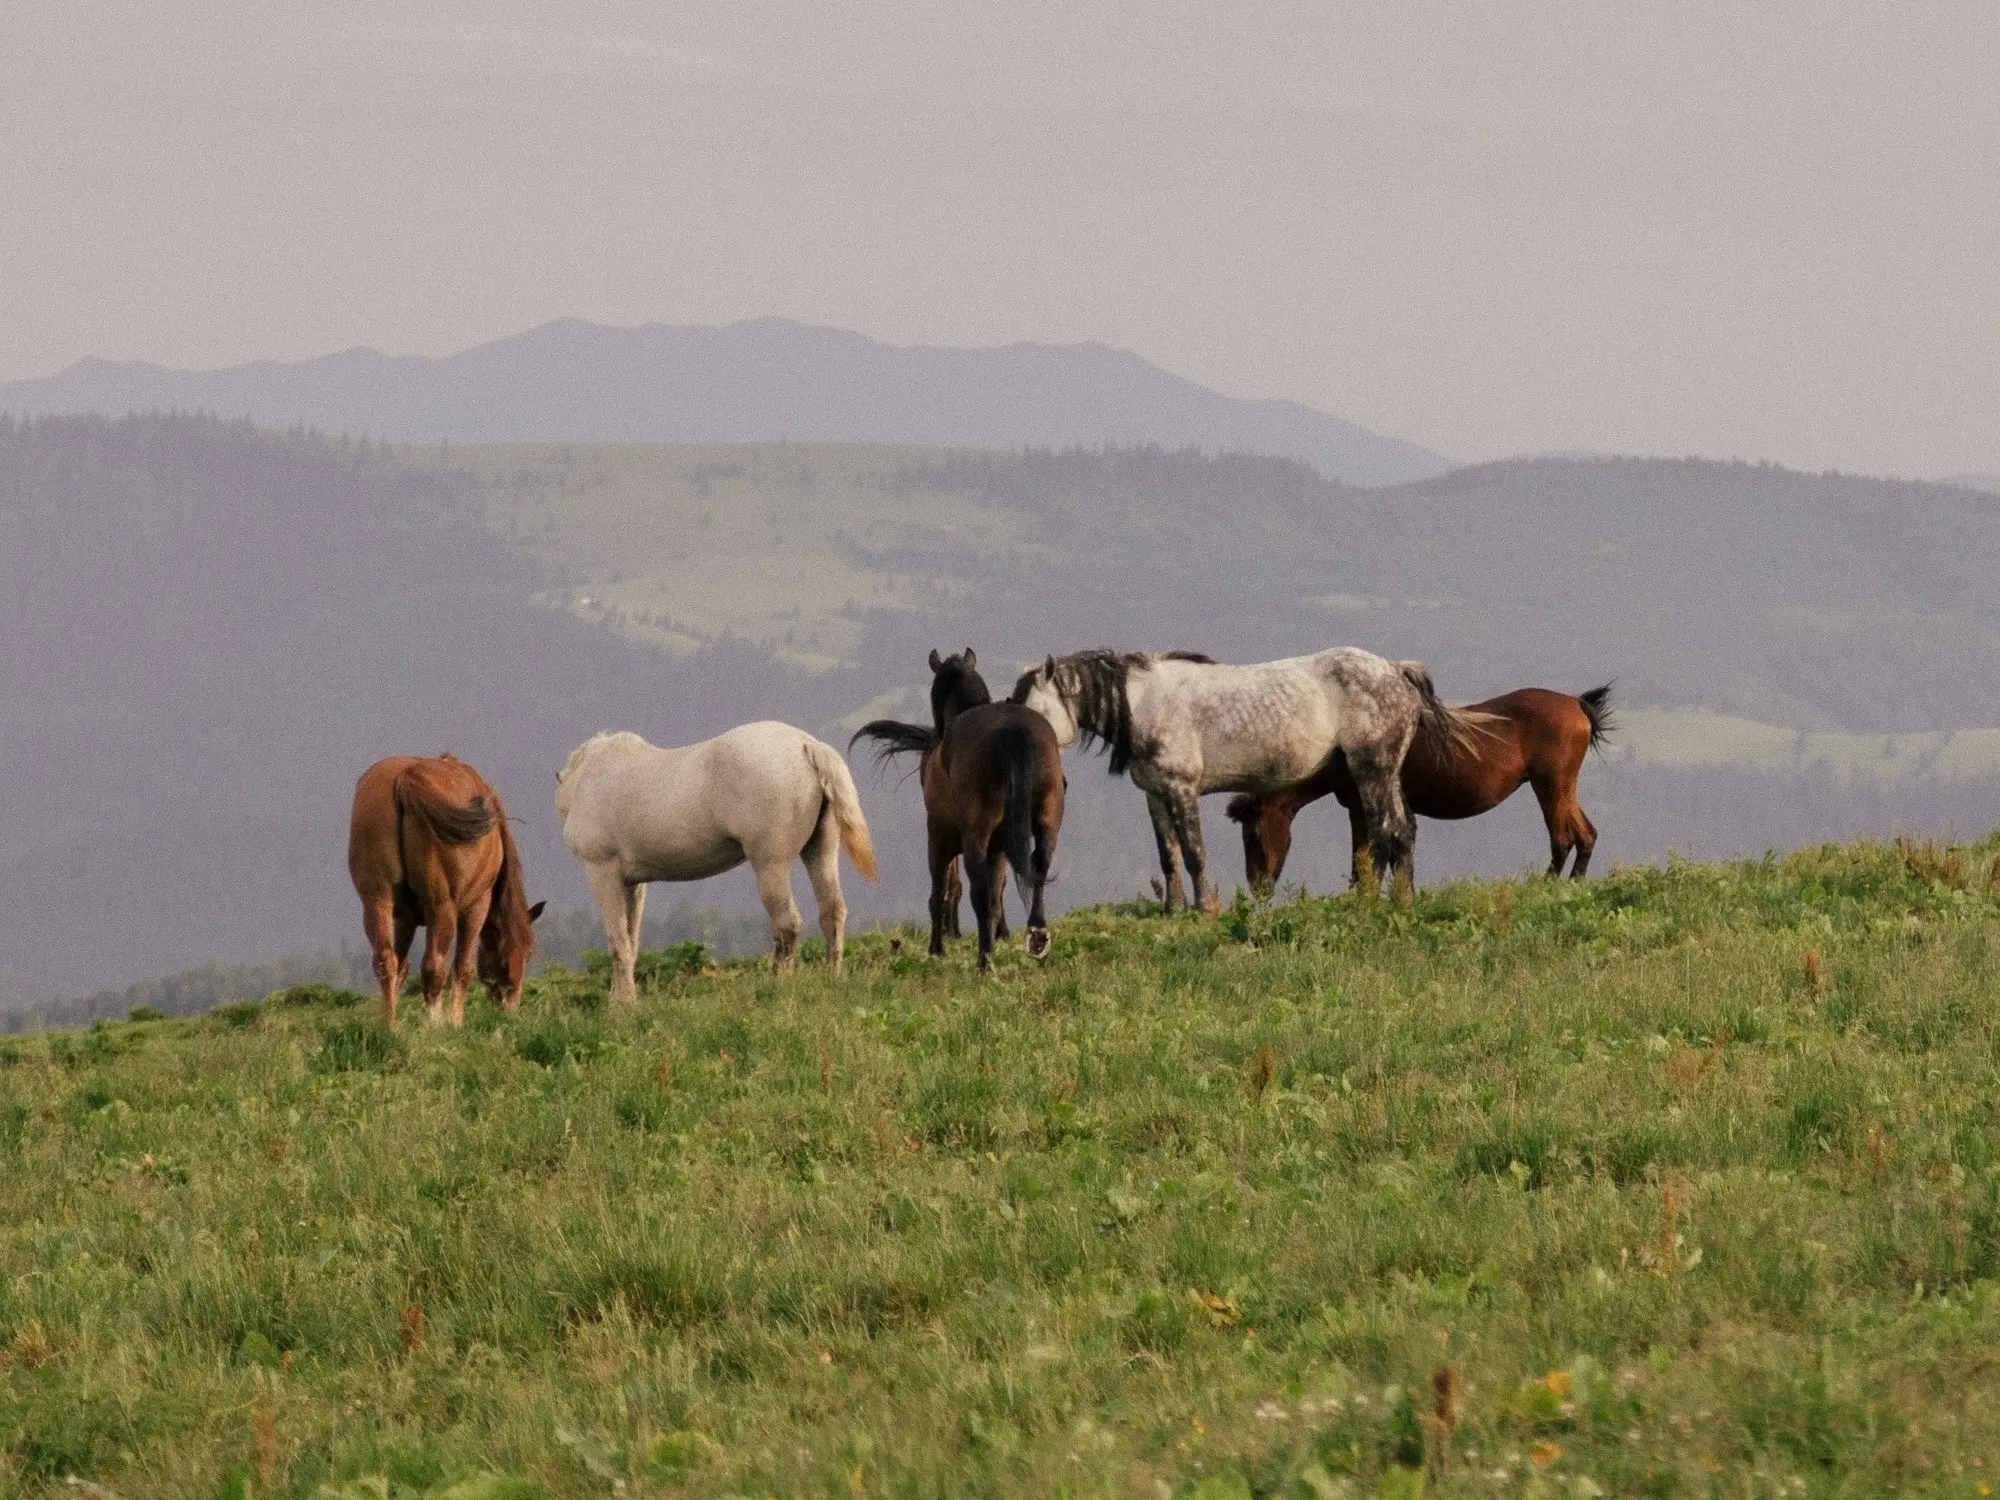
{"points": [[1692, 226]]}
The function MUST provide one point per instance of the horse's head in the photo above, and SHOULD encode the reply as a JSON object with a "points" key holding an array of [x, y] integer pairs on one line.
{"points": [[506, 944], [1043, 689], [955, 686]]}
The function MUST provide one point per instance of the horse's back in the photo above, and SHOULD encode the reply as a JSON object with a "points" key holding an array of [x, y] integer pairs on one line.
{"points": [[687, 812]]}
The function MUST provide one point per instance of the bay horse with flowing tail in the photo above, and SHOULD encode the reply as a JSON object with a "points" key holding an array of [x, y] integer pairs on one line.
{"points": [[1181, 724], [993, 799], [1532, 735], [768, 793], [428, 846]]}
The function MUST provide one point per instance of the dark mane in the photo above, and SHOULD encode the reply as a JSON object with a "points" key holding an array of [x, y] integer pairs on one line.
{"points": [[1096, 685], [955, 686], [508, 914]]}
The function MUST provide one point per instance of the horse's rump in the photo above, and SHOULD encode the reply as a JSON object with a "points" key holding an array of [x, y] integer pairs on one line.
{"points": [[451, 822]]}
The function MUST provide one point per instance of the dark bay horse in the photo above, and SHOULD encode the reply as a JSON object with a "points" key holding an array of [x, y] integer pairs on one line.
{"points": [[993, 799], [429, 846], [1532, 735]]}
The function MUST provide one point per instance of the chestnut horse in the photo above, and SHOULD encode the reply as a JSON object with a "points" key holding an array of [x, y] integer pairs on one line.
{"points": [[1532, 735], [993, 798], [428, 846]]}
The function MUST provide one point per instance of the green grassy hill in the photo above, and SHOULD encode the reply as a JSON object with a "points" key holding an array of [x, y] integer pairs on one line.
{"points": [[1677, 1182]]}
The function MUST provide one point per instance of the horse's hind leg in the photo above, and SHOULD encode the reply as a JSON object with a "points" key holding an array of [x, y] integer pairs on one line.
{"points": [[1000, 933], [774, 888], [1172, 897], [439, 936], [1556, 816], [1585, 833], [1038, 879], [388, 940], [954, 894], [822, 860], [979, 882]]}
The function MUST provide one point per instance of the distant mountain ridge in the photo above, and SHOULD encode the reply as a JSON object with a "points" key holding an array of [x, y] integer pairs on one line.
{"points": [[765, 380]]}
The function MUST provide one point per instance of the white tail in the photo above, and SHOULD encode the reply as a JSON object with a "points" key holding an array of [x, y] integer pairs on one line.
{"points": [[838, 784]]}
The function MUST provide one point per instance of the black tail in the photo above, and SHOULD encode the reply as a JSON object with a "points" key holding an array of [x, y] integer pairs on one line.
{"points": [[896, 739], [1597, 708], [1017, 824], [1243, 808]]}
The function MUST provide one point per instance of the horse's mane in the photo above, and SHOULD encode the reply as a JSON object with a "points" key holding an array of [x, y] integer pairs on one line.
{"points": [[1452, 731], [1096, 684], [510, 892]]}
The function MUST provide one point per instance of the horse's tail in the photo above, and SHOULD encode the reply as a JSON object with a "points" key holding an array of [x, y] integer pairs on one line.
{"points": [[1454, 731], [896, 739], [838, 785], [1242, 808], [1017, 820], [1596, 705], [450, 822]]}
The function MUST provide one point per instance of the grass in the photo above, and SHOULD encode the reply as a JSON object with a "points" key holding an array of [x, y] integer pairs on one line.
{"points": [[1678, 1182]]}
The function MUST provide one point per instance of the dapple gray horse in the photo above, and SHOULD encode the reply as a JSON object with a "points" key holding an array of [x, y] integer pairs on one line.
{"points": [[767, 793], [1182, 724]]}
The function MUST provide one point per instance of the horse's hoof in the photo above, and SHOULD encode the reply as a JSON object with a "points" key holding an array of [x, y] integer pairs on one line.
{"points": [[1038, 942]]}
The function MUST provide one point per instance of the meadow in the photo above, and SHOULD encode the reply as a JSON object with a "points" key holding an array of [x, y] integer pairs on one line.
{"points": [[1682, 1181]]}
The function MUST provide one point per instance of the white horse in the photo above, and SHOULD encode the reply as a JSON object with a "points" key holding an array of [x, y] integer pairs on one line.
{"points": [[633, 812], [1182, 725]]}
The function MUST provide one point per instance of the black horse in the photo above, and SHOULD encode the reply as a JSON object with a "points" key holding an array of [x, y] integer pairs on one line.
{"points": [[993, 798]]}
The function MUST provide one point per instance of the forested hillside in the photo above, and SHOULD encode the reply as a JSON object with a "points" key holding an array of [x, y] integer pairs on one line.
{"points": [[214, 627]]}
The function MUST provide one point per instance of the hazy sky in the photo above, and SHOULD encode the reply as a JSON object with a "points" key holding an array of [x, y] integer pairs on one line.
{"points": [[1690, 226]]}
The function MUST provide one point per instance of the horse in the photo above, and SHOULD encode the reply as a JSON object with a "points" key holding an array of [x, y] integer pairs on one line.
{"points": [[1532, 735], [1182, 724], [993, 799], [633, 812], [428, 846]]}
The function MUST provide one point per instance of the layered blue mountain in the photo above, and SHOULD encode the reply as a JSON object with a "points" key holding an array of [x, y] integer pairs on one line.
{"points": [[761, 381]]}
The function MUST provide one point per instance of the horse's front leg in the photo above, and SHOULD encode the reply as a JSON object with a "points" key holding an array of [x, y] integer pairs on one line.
{"points": [[1365, 880], [614, 905], [774, 888], [1392, 832], [1184, 805], [1172, 898]]}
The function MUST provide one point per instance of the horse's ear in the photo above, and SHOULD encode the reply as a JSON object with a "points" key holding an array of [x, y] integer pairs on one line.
{"points": [[971, 661], [535, 911], [1049, 668], [934, 659]]}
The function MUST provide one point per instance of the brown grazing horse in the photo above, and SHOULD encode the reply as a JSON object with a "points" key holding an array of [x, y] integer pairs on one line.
{"points": [[429, 847], [1532, 735], [993, 798]]}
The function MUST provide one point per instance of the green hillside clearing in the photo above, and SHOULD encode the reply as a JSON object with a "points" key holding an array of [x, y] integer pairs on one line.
{"points": [[677, 546], [1676, 1181]]}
